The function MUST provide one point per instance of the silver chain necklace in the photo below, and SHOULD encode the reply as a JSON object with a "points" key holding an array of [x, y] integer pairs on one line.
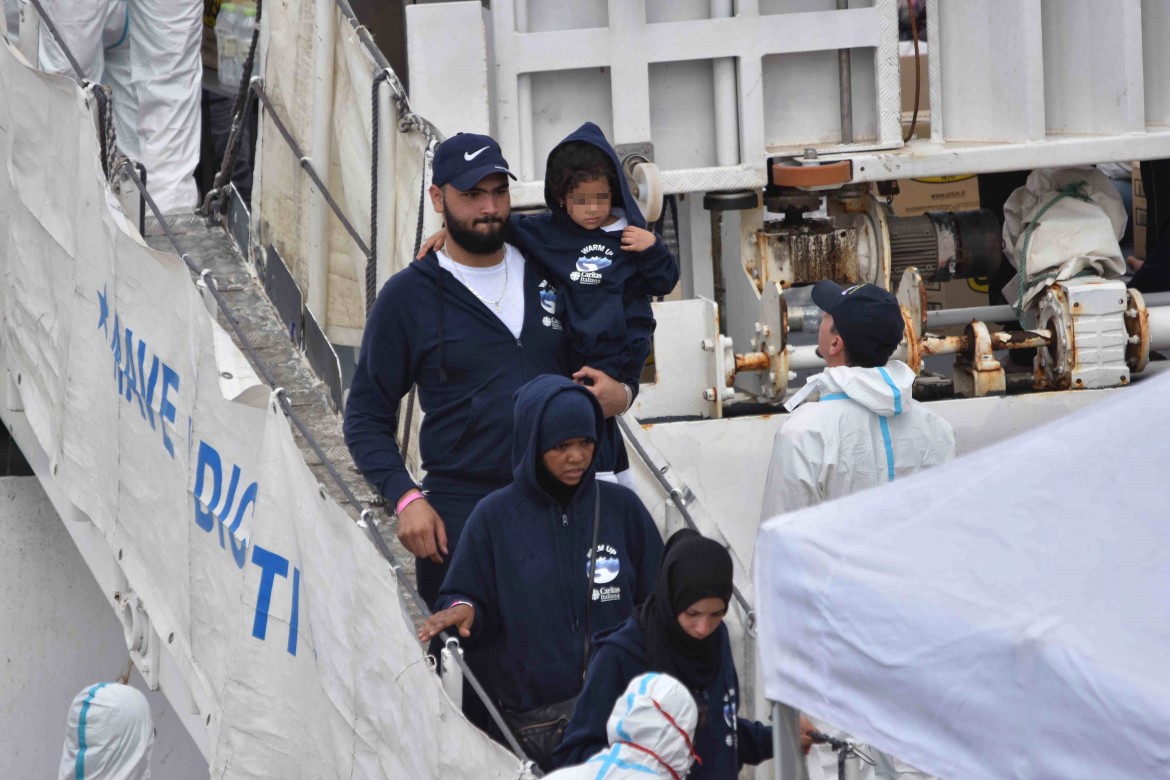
{"points": [[503, 290]]}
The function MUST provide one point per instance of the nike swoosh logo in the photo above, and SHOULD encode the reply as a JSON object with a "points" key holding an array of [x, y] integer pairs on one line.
{"points": [[469, 156]]}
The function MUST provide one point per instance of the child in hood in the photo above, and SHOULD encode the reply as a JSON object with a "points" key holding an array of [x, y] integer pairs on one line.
{"points": [[605, 265]]}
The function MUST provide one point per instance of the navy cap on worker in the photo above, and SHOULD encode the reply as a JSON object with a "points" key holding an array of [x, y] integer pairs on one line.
{"points": [[567, 416], [867, 317], [465, 159]]}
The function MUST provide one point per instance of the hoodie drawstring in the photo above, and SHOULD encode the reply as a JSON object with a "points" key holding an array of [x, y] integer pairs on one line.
{"points": [[442, 368]]}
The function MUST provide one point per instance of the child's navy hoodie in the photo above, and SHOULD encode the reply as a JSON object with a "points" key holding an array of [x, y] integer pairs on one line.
{"points": [[724, 741], [427, 328], [523, 563], [603, 288], [603, 291]]}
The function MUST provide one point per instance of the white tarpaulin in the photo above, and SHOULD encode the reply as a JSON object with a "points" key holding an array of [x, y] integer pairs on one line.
{"points": [[282, 214], [1006, 615], [287, 626], [1063, 222]]}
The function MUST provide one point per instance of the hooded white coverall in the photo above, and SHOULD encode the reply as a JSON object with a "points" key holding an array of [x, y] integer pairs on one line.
{"points": [[148, 52], [864, 431], [110, 735], [637, 721]]}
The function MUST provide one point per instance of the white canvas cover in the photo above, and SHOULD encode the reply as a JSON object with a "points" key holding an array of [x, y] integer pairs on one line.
{"points": [[1006, 615], [283, 193], [1062, 222], [284, 622]]}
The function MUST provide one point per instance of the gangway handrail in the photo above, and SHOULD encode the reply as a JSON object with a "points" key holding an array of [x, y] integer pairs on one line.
{"points": [[678, 496], [367, 515]]}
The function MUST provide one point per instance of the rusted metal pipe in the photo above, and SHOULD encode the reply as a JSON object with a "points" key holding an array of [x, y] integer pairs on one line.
{"points": [[957, 345], [805, 357], [752, 361], [948, 345], [1021, 339]]}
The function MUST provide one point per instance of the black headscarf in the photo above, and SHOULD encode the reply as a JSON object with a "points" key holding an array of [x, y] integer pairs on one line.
{"points": [[693, 568], [561, 493], [567, 415]]}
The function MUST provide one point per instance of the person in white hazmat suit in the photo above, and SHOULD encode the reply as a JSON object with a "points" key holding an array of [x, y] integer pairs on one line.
{"points": [[650, 732], [110, 735], [147, 51], [864, 430]]}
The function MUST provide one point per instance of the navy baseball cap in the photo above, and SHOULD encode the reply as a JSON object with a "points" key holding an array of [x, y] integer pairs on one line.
{"points": [[868, 318], [464, 159]]}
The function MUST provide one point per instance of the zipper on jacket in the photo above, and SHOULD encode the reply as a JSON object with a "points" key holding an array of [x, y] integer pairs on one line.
{"points": [[570, 595], [520, 355]]}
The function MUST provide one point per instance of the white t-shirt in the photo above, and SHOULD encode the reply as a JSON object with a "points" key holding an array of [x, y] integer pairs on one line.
{"points": [[499, 287], [621, 224]]}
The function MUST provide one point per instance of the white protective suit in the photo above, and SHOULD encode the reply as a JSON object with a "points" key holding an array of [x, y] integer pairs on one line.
{"points": [[865, 430], [148, 52], [636, 720], [110, 735]]}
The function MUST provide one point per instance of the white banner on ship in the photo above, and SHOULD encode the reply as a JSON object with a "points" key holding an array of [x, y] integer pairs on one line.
{"points": [[288, 627]]}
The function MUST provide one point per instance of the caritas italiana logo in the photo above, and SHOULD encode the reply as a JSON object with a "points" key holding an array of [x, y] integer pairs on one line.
{"points": [[594, 258]]}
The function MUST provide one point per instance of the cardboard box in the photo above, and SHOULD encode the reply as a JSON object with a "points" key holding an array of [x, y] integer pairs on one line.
{"points": [[906, 73], [935, 193], [957, 293], [1139, 214]]}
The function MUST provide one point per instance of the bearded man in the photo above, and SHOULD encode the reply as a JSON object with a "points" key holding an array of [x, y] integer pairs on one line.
{"points": [[468, 325]]}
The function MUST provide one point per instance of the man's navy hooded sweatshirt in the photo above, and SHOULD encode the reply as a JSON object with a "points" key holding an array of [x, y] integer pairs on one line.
{"points": [[426, 328], [524, 561], [602, 290], [724, 742]]}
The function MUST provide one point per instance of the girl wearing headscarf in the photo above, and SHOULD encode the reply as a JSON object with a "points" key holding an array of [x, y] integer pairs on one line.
{"points": [[678, 630], [518, 590]]}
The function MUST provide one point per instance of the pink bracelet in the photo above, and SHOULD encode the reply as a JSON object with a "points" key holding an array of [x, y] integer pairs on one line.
{"points": [[404, 502]]}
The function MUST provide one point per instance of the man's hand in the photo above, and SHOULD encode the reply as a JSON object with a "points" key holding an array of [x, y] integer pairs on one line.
{"points": [[635, 239], [460, 615], [608, 392], [421, 530], [436, 241]]}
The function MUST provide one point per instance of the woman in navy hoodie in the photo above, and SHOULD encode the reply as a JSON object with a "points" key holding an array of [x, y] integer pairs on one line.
{"points": [[517, 587], [678, 630]]}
